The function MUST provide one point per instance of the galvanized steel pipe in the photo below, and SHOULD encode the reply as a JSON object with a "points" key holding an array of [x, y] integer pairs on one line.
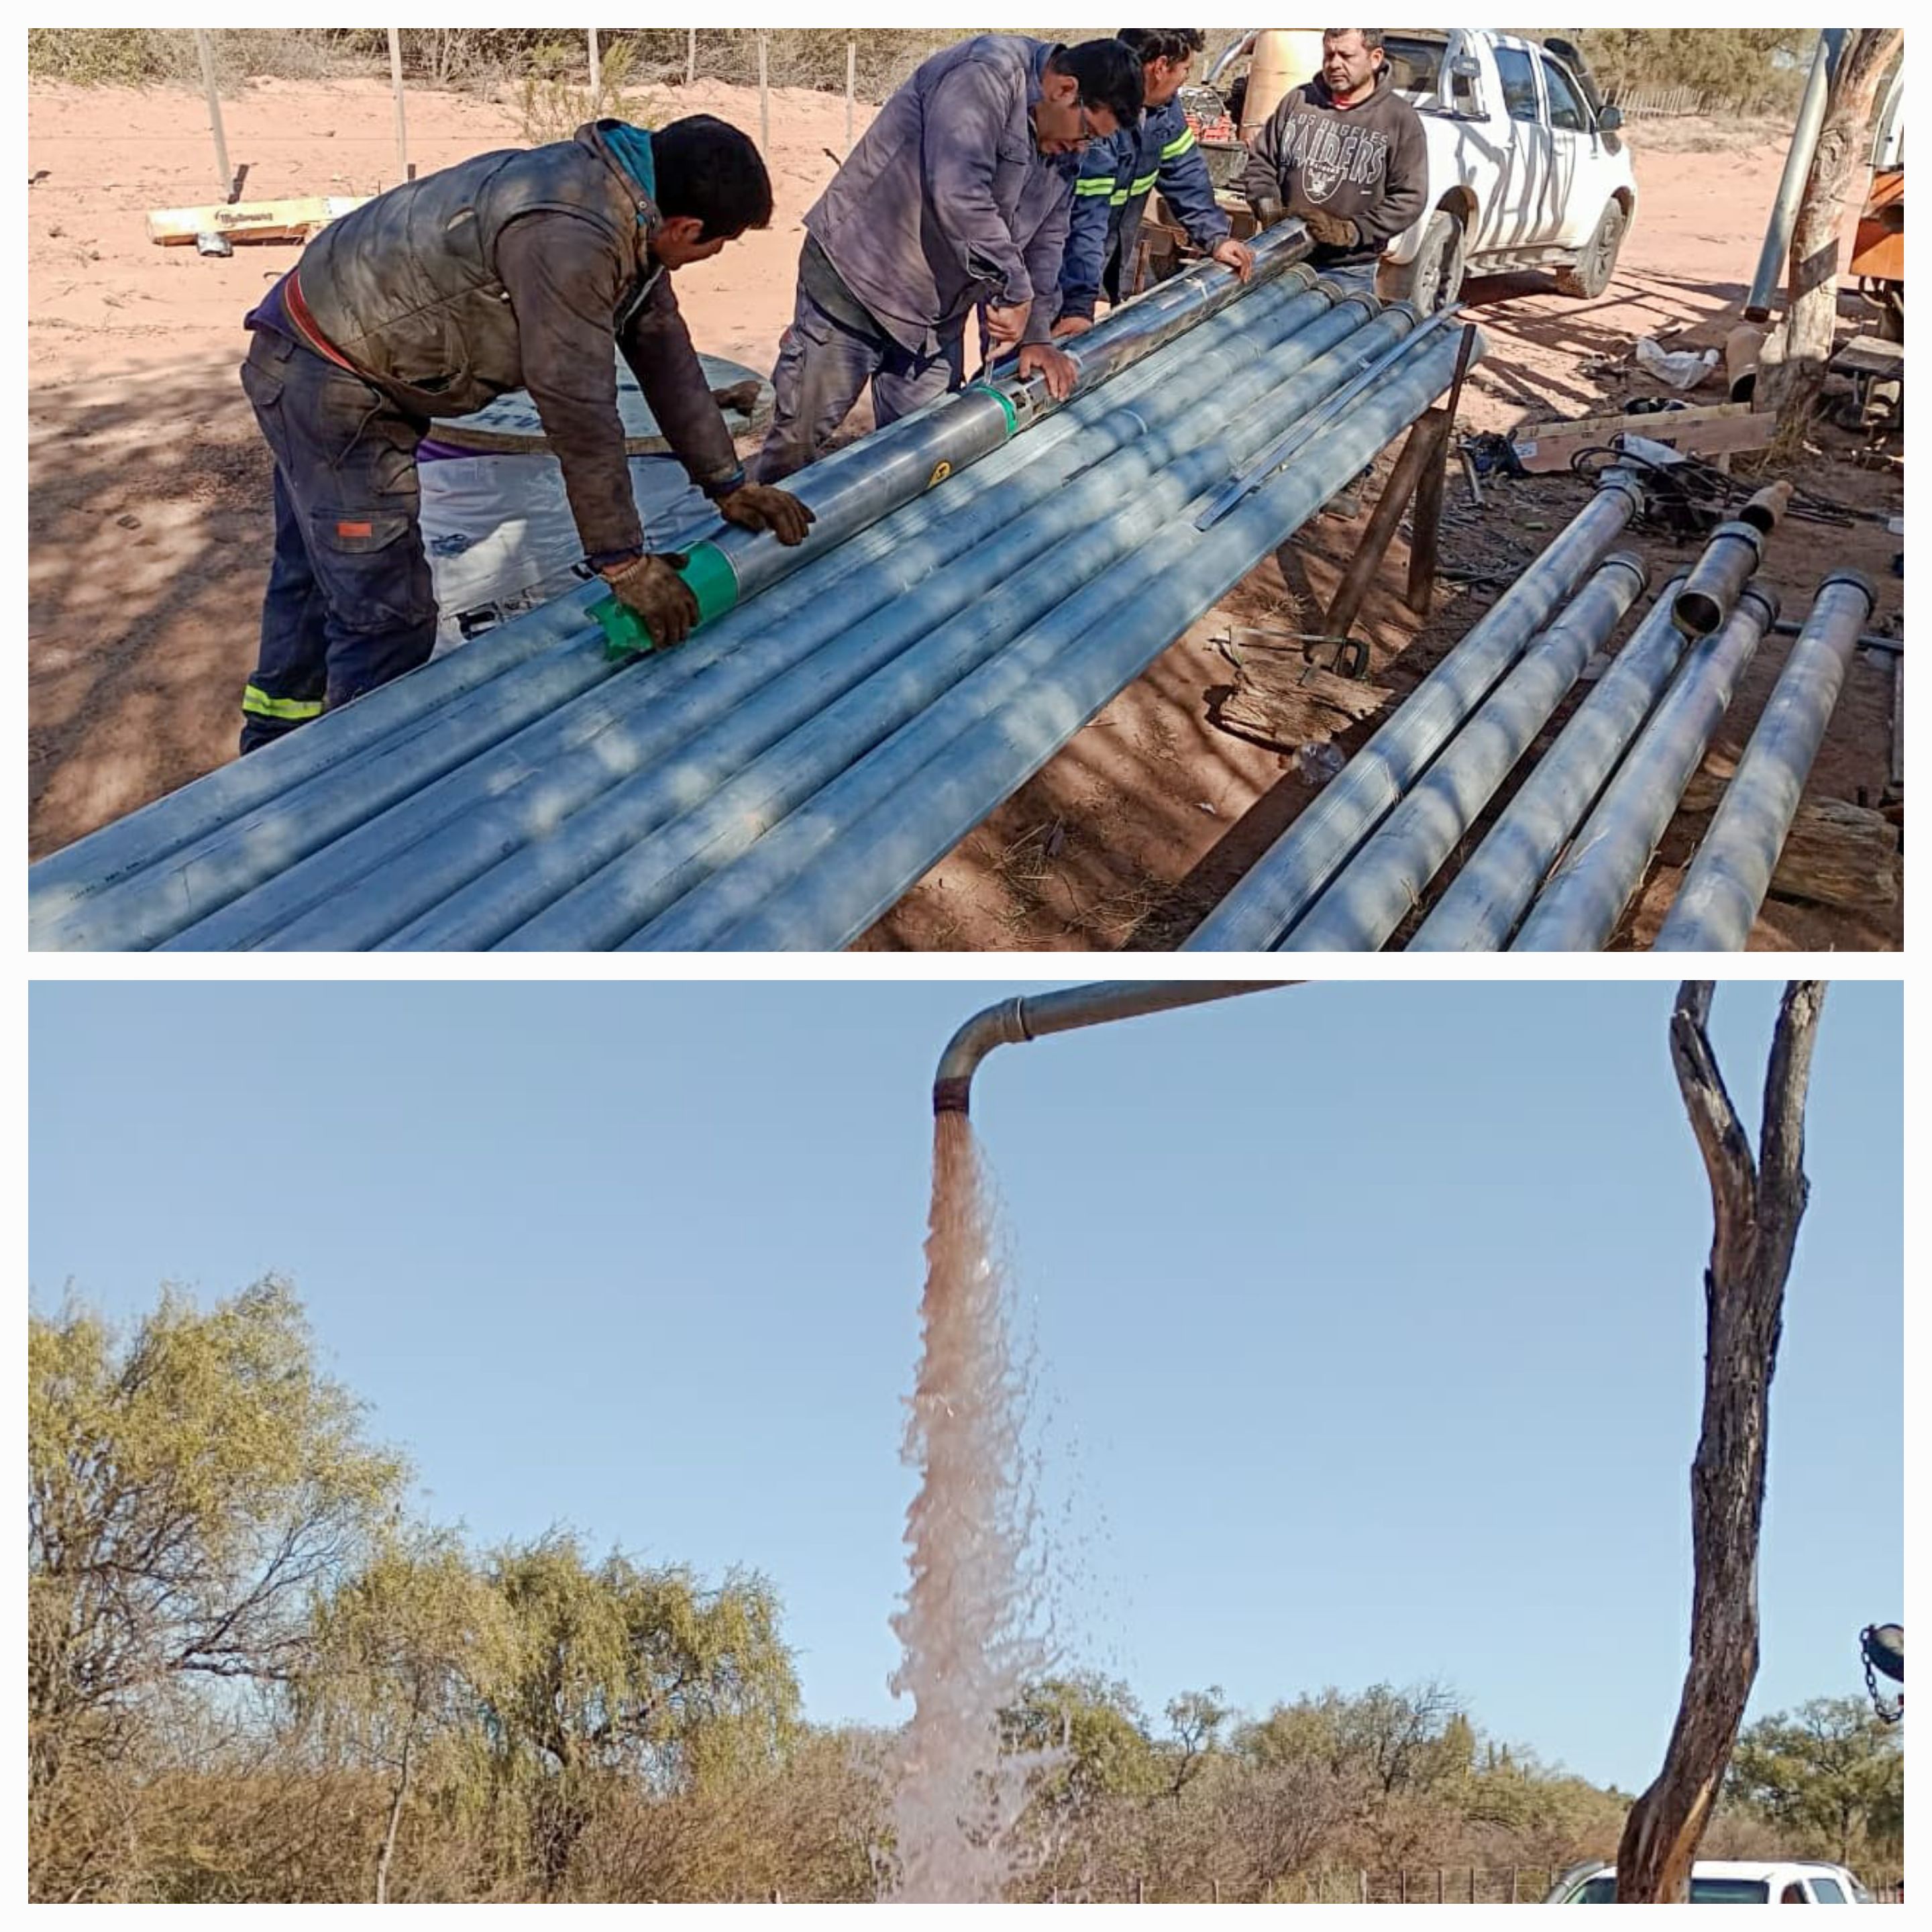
{"points": [[1036, 1015], [1481, 907], [1798, 160], [1732, 873], [1578, 910], [1733, 554], [1385, 881], [886, 821], [1291, 874]]}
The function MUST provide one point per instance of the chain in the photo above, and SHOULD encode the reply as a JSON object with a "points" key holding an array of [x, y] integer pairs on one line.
{"points": [[1888, 1713]]}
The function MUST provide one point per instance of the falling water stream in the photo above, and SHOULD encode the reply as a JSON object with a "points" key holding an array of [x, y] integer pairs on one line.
{"points": [[968, 1626]]}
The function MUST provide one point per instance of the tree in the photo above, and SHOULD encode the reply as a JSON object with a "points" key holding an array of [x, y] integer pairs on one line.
{"points": [[1841, 168], [188, 1487], [619, 1671], [392, 1678], [1829, 1770], [1758, 1203]]}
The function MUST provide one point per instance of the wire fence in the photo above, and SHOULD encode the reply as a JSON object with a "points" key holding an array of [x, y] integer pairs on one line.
{"points": [[1665, 103]]}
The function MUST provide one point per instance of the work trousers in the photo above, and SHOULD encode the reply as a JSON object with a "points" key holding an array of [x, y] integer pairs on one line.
{"points": [[349, 604], [825, 362]]}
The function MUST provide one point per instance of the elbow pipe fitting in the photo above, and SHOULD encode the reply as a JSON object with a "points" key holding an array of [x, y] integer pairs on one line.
{"points": [[1034, 1016]]}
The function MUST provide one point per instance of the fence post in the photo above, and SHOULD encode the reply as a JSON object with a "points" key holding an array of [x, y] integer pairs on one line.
{"points": [[1438, 1885], [1513, 1898], [1140, 1889], [205, 46], [1214, 1886], [764, 93], [1472, 1884], [851, 77], [690, 56], [596, 70], [396, 82], [1402, 1885], [1364, 1876]]}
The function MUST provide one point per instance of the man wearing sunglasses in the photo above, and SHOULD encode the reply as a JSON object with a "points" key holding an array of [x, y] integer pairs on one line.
{"points": [[957, 198]]}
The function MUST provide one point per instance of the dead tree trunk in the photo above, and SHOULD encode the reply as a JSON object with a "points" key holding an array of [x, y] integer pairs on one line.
{"points": [[1839, 172], [1757, 1205]]}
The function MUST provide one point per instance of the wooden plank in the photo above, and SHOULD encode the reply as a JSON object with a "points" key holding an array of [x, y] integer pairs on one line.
{"points": [[1727, 427], [1870, 355], [293, 221], [1282, 703]]}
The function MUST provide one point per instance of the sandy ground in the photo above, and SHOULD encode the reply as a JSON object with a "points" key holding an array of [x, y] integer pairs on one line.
{"points": [[141, 449]]}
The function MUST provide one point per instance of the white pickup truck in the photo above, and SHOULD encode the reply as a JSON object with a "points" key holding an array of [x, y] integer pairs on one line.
{"points": [[1527, 168]]}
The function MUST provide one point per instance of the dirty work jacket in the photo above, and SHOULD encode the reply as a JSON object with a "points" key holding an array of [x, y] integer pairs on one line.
{"points": [[946, 203], [1369, 164], [1110, 196], [528, 269]]}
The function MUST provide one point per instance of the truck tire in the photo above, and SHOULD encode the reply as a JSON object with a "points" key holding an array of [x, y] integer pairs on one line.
{"points": [[1590, 274], [1434, 279]]}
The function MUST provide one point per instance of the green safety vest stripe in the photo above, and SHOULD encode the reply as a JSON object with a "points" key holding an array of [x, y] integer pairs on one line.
{"points": [[1120, 199], [1145, 182], [1094, 184], [1178, 146], [258, 703]]}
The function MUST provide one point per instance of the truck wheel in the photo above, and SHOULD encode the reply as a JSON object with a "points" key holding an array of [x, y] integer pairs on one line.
{"points": [[1434, 279], [1591, 274]]}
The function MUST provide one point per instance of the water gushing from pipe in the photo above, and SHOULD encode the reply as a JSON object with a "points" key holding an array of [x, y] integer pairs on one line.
{"points": [[968, 1625]]}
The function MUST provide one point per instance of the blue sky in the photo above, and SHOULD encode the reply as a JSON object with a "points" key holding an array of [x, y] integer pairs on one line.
{"points": [[1369, 1317]]}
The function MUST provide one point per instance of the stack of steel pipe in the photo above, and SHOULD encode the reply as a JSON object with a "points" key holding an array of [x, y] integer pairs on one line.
{"points": [[1718, 903], [1386, 879], [1294, 873], [1580, 909], [819, 878], [151, 876]]}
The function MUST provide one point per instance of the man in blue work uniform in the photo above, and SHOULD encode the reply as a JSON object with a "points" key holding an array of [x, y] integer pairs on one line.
{"points": [[1117, 176], [957, 199], [526, 268]]}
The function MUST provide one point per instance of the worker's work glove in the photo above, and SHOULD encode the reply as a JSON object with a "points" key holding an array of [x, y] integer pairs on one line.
{"points": [[1005, 326], [650, 586], [1332, 231], [757, 506], [1042, 358], [1068, 326], [1235, 255], [1269, 213]]}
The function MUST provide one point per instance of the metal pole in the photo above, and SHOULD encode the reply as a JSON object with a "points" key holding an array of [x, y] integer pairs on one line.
{"points": [[205, 46], [1578, 910], [1771, 266], [396, 82], [1037, 1015], [1386, 880], [1294, 870], [690, 56], [1732, 873], [851, 81], [596, 71]]}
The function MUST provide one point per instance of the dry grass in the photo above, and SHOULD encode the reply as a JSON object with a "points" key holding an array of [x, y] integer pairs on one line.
{"points": [[1696, 135]]}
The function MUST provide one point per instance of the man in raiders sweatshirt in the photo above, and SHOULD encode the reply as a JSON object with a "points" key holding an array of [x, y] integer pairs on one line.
{"points": [[1346, 153]]}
